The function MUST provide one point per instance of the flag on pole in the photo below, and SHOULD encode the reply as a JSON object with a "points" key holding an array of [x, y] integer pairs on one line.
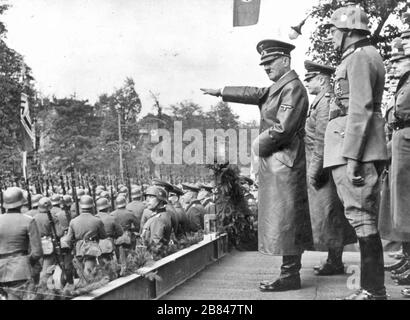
{"points": [[25, 118], [246, 12]]}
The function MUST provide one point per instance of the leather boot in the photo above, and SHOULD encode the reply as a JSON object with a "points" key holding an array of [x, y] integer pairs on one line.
{"points": [[289, 278], [406, 258], [396, 265], [372, 265], [403, 280], [371, 270], [333, 265]]}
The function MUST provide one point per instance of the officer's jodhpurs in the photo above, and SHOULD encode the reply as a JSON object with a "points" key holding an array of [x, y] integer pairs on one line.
{"points": [[361, 203]]}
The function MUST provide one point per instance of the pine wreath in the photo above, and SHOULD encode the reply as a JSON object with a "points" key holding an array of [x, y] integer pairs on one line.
{"points": [[233, 213]]}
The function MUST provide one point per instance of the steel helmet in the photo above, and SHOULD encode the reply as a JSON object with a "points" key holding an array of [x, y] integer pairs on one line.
{"points": [[44, 204], [55, 200], [351, 18], [158, 192], [35, 199], [80, 192], [13, 198], [102, 204], [105, 194], [67, 200], [120, 202], [136, 192], [86, 202]]}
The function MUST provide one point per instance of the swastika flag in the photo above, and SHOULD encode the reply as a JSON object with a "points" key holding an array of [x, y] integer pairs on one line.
{"points": [[246, 12]]}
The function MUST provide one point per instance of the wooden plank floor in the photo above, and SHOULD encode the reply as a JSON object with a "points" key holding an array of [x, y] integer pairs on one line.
{"points": [[237, 275]]}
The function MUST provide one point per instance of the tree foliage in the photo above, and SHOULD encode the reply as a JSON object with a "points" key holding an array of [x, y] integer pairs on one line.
{"points": [[383, 16]]}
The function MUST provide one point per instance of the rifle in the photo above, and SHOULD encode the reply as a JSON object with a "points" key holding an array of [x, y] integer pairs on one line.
{"points": [[1, 196], [112, 195], [57, 247], [28, 194], [67, 182], [73, 187], [94, 187], [128, 181], [47, 187], [82, 181], [62, 184], [52, 184]]}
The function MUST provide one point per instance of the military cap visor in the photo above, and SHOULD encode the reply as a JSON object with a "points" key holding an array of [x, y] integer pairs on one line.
{"points": [[190, 187], [271, 50], [166, 185], [177, 191], [313, 69]]}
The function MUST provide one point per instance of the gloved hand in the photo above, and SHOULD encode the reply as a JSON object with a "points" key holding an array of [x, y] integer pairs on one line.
{"points": [[264, 146]]}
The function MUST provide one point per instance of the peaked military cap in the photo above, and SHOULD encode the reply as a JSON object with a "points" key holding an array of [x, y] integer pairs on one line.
{"points": [[177, 190], [313, 69], [190, 187], [166, 185], [206, 186], [272, 49], [244, 179]]}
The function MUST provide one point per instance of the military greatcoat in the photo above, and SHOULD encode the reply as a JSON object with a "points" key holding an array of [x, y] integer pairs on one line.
{"points": [[284, 226], [329, 224]]}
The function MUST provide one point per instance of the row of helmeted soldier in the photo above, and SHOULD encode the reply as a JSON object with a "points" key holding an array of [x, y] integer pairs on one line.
{"points": [[90, 231]]}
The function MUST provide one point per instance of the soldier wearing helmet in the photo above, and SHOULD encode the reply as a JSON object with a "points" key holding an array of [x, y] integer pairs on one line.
{"points": [[355, 142], [158, 227], [136, 206], [128, 222], [86, 230], [169, 207], [44, 228], [112, 228], [20, 246], [35, 198]]}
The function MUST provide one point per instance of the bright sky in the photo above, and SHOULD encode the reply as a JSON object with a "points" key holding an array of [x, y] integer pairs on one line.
{"points": [[169, 47]]}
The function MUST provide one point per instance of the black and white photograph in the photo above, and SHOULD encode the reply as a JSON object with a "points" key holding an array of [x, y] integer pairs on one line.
{"points": [[204, 156]]}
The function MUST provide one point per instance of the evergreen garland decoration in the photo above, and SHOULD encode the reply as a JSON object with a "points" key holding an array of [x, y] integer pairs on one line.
{"points": [[233, 213]]}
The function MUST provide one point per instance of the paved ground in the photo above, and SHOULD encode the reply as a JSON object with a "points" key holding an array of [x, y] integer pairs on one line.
{"points": [[237, 275]]}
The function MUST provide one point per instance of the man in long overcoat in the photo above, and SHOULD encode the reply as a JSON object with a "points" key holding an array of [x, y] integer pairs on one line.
{"points": [[331, 230], [394, 219], [283, 213]]}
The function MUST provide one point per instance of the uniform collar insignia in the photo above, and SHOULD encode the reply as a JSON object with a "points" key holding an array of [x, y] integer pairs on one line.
{"points": [[353, 47]]}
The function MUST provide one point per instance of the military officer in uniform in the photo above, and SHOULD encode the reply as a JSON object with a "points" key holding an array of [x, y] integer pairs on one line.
{"points": [[183, 223], [399, 170], [20, 245], [169, 206], [158, 227], [283, 213], [331, 230], [355, 143], [195, 211]]}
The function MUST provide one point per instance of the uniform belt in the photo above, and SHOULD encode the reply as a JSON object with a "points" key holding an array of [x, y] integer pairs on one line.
{"points": [[13, 254]]}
